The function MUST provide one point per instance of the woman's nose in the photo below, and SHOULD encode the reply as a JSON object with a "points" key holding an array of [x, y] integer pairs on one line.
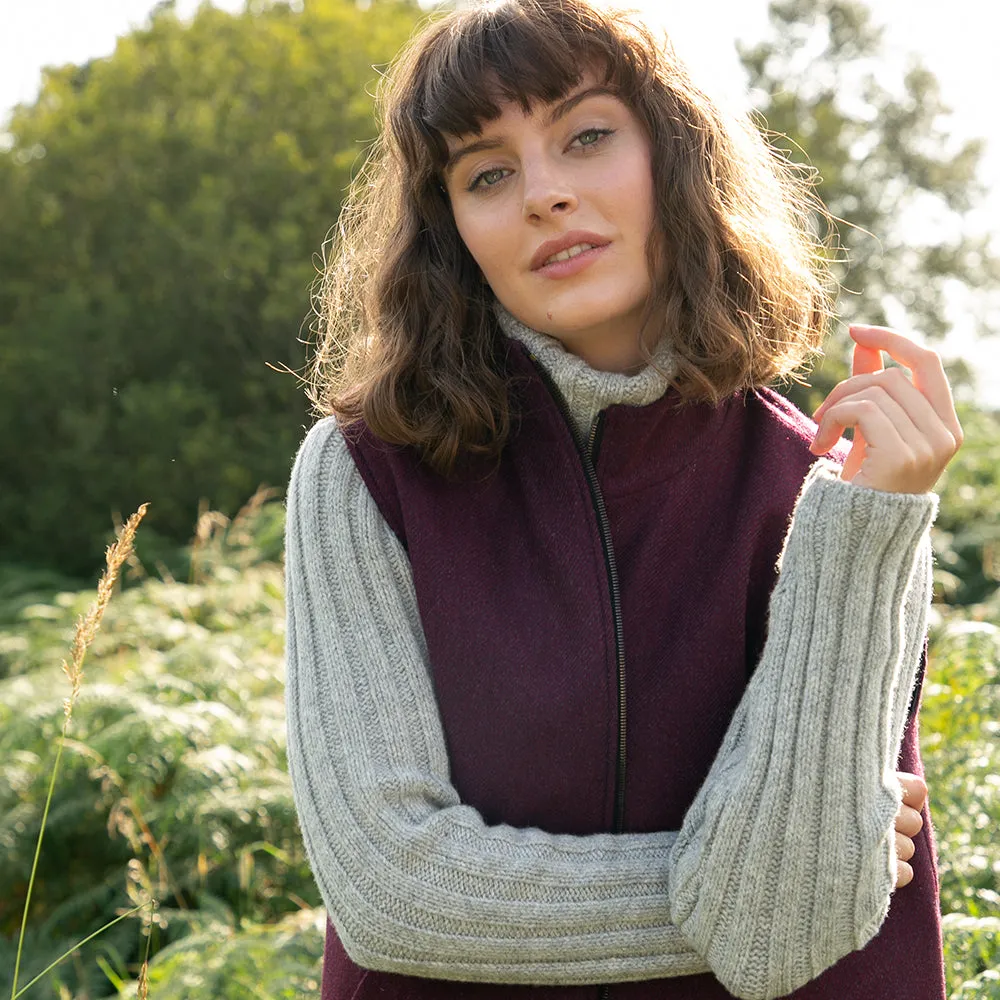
{"points": [[547, 191]]}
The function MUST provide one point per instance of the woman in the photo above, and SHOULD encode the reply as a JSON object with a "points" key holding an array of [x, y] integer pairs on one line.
{"points": [[555, 724]]}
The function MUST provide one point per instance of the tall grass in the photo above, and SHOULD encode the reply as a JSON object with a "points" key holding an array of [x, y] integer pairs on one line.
{"points": [[83, 636], [181, 732]]}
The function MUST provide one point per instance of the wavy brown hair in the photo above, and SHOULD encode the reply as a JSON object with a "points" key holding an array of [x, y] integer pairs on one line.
{"points": [[407, 338]]}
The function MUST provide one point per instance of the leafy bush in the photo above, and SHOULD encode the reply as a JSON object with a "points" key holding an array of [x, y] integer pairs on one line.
{"points": [[959, 723], [967, 530], [174, 782], [972, 949], [281, 961]]}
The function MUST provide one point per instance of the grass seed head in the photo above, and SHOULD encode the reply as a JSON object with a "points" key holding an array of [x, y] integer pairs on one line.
{"points": [[87, 625]]}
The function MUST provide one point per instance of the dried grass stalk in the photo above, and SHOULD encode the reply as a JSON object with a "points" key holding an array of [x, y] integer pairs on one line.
{"points": [[86, 629]]}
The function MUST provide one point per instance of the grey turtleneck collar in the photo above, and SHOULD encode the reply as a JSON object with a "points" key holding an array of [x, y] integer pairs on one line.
{"points": [[586, 390]]}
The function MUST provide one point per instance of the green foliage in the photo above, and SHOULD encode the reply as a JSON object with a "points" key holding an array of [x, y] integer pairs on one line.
{"points": [[959, 716], [280, 961], [883, 155], [967, 530], [973, 944], [174, 781], [160, 210], [961, 706]]}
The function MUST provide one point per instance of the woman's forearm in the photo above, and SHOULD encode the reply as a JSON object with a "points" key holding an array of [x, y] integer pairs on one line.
{"points": [[845, 634]]}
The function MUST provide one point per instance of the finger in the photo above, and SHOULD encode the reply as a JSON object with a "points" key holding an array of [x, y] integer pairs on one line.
{"points": [[882, 421], [914, 789], [926, 365], [855, 457], [888, 379], [905, 393], [865, 361], [908, 821], [904, 874], [904, 848]]}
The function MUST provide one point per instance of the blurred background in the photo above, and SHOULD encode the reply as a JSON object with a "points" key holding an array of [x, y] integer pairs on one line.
{"points": [[169, 175]]}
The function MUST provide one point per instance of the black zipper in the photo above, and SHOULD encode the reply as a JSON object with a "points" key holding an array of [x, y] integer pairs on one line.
{"points": [[588, 458], [593, 444]]}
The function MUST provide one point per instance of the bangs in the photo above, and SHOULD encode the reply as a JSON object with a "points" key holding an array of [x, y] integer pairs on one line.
{"points": [[502, 53]]}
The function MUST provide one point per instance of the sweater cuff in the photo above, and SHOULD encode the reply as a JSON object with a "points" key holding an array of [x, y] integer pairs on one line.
{"points": [[858, 512]]}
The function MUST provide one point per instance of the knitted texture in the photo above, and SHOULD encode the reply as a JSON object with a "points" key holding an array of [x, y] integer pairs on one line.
{"points": [[416, 883], [809, 758], [586, 390]]}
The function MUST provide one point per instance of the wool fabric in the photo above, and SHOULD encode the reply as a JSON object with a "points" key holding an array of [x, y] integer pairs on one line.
{"points": [[418, 883]]}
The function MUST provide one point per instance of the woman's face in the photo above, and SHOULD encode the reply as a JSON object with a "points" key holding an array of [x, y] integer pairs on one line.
{"points": [[576, 171]]}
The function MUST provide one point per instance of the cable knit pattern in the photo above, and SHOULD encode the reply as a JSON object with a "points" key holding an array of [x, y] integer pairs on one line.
{"points": [[416, 883]]}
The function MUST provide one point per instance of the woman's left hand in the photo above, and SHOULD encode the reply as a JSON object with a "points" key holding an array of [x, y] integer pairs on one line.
{"points": [[905, 432], [909, 823]]}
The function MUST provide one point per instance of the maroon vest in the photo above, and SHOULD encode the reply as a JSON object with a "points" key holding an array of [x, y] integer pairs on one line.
{"points": [[571, 609]]}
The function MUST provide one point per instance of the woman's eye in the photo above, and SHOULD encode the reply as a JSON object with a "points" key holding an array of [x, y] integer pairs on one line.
{"points": [[592, 136], [492, 177], [496, 173]]}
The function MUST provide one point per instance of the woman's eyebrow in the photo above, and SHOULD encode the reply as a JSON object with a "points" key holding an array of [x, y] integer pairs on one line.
{"points": [[566, 106], [494, 142], [562, 109]]}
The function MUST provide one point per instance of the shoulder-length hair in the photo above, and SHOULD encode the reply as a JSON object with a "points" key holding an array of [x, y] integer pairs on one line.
{"points": [[407, 338]]}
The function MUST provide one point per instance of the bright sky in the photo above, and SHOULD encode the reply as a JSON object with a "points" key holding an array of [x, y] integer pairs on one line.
{"points": [[956, 40]]}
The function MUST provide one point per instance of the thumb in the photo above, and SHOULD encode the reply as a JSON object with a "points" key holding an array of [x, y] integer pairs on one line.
{"points": [[866, 361]]}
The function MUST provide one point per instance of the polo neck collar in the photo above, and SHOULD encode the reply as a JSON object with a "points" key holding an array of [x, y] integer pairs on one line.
{"points": [[586, 390]]}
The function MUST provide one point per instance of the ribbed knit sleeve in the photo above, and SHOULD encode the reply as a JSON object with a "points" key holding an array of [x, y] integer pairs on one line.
{"points": [[416, 883], [804, 785]]}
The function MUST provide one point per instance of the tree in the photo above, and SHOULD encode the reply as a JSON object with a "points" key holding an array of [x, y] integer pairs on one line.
{"points": [[160, 212], [883, 155]]}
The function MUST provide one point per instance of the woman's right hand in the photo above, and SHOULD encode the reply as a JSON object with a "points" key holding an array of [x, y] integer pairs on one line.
{"points": [[908, 823]]}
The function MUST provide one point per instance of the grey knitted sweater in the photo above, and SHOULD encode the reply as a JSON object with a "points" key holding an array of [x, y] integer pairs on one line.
{"points": [[765, 898]]}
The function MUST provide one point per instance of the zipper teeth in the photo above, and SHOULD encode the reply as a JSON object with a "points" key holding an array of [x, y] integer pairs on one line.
{"points": [[616, 613], [609, 553]]}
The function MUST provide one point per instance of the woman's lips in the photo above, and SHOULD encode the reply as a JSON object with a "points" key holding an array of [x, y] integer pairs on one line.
{"points": [[567, 268]]}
